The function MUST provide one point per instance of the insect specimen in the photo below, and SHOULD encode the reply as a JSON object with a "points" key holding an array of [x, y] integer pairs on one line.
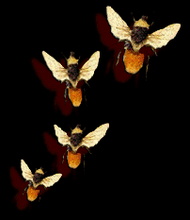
{"points": [[138, 37], [76, 140], [72, 75], [37, 179]]}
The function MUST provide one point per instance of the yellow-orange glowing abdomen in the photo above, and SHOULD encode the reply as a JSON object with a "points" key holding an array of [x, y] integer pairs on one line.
{"points": [[73, 159], [75, 95], [133, 61], [32, 193]]}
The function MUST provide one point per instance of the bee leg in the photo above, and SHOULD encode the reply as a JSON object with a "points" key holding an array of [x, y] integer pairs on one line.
{"points": [[118, 56], [68, 148], [39, 199], [87, 83], [127, 45], [84, 163], [68, 85], [84, 94], [88, 150], [63, 157], [133, 17], [65, 94], [25, 189], [154, 50], [147, 65]]}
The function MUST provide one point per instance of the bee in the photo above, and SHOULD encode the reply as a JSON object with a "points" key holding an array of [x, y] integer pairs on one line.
{"points": [[76, 140], [72, 75], [36, 179], [138, 37]]}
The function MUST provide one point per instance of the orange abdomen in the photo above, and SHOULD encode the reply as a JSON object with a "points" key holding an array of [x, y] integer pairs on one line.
{"points": [[32, 193], [75, 95], [133, 61], [73, 159]]}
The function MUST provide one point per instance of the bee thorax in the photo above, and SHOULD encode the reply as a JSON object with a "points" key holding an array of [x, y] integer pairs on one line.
{"points": [[73, 71], [37, 177], [139, 34], [76, 139]]}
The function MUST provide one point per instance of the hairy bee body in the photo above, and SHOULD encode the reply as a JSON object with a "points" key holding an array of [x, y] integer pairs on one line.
{"points": [[73, 159], [75, 95], [32, 193], [133, 61]]}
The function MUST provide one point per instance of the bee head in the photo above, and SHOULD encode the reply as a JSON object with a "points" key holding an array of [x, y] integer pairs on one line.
{"points": [[40, 171], [76, 130], [72, 60], [142, 22]]}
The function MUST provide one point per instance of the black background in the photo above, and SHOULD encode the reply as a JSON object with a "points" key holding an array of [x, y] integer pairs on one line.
{"points": [[136, 168]]}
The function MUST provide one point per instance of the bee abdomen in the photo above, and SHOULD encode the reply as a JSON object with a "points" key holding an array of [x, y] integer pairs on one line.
{"points": [[75, 95], [32, 193], [73, 159]]}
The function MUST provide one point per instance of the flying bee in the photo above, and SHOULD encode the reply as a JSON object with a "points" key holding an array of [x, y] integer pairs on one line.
{"points": [[37, 179], [72, 75], [138, 37], [76, 140]]}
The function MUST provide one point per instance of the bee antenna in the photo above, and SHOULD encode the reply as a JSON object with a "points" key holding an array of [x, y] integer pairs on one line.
{"points": [[64, 55], [151, 24], [133, 17]]}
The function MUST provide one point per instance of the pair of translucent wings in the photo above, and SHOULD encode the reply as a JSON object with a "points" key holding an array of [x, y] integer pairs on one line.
{"points": [[157, 39], [60, 73], [47, 182], [90, 140]]}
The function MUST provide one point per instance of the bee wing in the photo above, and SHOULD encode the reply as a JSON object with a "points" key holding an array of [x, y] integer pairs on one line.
{"points": [[26, 172], [95, 136], [161, 37], [119, 28], [87, 70], [50, 180], [62, 136], [59, 72]]}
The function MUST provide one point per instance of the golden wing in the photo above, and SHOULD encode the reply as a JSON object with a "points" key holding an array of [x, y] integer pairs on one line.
{"points": [[51, 180], [95, 136], [119, 28], [161, 37], [62, 136], [26, 172], [87, 70], [58, 71]]}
